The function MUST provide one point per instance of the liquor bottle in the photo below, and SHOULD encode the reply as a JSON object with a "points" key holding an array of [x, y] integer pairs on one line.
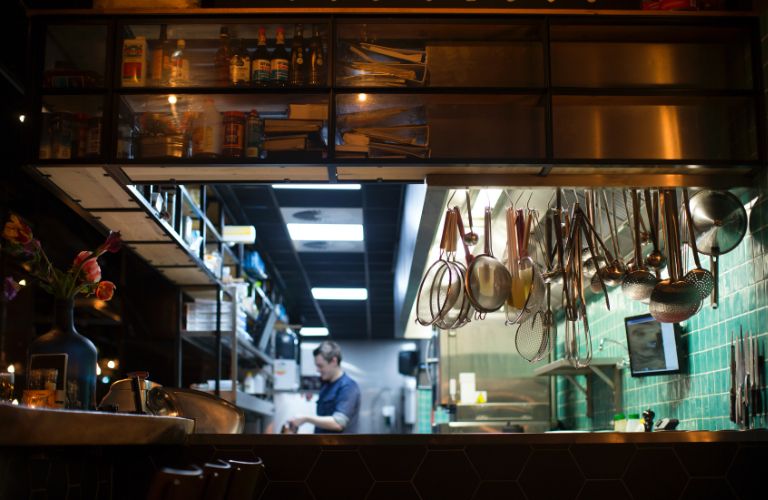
{"points": [[240, 66], [279, 62], [253, 135], [222, 59], [179, 65], [161, 59], [316, 59], [297, 75], [260, 63]]}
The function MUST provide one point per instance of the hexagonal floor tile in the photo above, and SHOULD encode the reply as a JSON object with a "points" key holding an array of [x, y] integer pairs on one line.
{"points": [[747, 476], [288, 463], [655, 473], [700, 488], [446, 474], [390, 491], [603, 461], [339, 475], [392, 463], [284, 490], [499, 490], [613, 489], [706, 459], [498, 462], [551, 475]]}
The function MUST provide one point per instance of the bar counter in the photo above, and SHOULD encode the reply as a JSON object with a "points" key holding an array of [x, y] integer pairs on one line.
{"points": [[563, 465]]}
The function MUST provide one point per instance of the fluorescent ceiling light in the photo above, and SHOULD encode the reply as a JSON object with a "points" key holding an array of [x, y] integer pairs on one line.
{"points": [[340, 293], [325, 232], [317, 186], [314, 331]]}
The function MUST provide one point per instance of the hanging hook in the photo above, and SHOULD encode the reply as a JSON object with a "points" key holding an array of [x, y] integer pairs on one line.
{"points": [[448, 205], [528, 203]]}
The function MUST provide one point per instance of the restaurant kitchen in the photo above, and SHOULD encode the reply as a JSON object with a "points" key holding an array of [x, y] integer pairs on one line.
{"points": [[499, 284]]}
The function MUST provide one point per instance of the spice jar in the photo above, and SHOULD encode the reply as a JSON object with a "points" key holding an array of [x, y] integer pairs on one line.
{"points": [[234, 134]]}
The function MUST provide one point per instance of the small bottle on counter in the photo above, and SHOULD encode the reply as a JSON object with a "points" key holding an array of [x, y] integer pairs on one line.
{"points": [[249, 383]]}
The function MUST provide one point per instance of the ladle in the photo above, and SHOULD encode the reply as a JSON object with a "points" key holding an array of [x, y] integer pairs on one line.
{"points": [[613, 274], [700, 277], [488, 281], [673, 299], [471, 238], [656, 259], [638, 283]]}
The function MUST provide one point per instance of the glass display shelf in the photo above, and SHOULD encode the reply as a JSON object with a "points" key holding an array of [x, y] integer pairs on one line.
{"points": [[225, 55], [654, 127], [439, 126], [439, 54], [71, 127], [75, 57], [651, 57], [223, 127]]}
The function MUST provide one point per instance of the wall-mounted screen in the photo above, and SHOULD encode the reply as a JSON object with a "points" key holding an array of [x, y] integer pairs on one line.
{"points": [[653, 346]]}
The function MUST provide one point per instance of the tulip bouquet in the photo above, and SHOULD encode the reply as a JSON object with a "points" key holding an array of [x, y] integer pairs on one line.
{"points": [[82, 277]]}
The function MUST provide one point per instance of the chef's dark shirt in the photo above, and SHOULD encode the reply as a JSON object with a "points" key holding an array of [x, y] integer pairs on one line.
{"points": [[342, 396]]}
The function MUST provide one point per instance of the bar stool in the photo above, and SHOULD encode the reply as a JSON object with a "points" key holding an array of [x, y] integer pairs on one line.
{"points": [[176, 484], [244, 478], [216, 476]]}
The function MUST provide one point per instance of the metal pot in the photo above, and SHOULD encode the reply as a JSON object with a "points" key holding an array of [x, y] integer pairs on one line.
{"points": [[212, 415], [122, 395]]}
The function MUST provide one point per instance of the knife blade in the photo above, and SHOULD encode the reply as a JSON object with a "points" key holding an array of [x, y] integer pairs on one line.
{"points": [[733, 380]]}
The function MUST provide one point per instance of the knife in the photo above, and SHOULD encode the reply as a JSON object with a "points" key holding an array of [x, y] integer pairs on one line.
{"points": [[733, 380]]}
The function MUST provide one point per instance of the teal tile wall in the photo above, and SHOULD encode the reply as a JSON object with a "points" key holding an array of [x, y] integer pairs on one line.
{"points": [[698, 397]]}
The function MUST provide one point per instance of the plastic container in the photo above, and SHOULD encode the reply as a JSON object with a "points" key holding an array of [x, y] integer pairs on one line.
{"points": [[207, 132], [620, 422], [635, 423]]}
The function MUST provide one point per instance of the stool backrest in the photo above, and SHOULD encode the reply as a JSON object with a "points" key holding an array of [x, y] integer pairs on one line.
{"points": [[244, 479]]}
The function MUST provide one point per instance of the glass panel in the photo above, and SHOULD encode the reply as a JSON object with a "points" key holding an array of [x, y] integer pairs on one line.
{"points": [[71, 127], [440, 55], [642, 128], [245, 126], [642, 56], [215, 55], [440, 126], [75, 56]]}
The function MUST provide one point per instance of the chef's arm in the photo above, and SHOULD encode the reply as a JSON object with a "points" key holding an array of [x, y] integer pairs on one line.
{"points": [[335, 422]]}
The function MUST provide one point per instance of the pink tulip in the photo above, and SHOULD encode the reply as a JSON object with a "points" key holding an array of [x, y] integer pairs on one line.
{"points": [[105, 290], [90, 267]]}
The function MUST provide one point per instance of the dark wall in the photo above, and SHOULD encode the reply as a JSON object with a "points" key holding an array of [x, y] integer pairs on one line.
{"points": [[140, 325]]}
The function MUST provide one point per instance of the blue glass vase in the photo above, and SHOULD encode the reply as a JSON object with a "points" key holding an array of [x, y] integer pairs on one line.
{"points": [[71, 355]]}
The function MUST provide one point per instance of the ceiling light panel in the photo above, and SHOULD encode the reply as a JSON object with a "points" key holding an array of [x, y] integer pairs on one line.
{"points": [[340, 293], [337, 187], [326, 232], [313, 331]]}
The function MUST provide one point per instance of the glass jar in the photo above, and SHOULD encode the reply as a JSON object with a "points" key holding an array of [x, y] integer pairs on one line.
{"points": [[234, 134]]}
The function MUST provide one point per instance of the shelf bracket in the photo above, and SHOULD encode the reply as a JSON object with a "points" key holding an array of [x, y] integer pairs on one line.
{"points": [[600, 373], [576, 384]]}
